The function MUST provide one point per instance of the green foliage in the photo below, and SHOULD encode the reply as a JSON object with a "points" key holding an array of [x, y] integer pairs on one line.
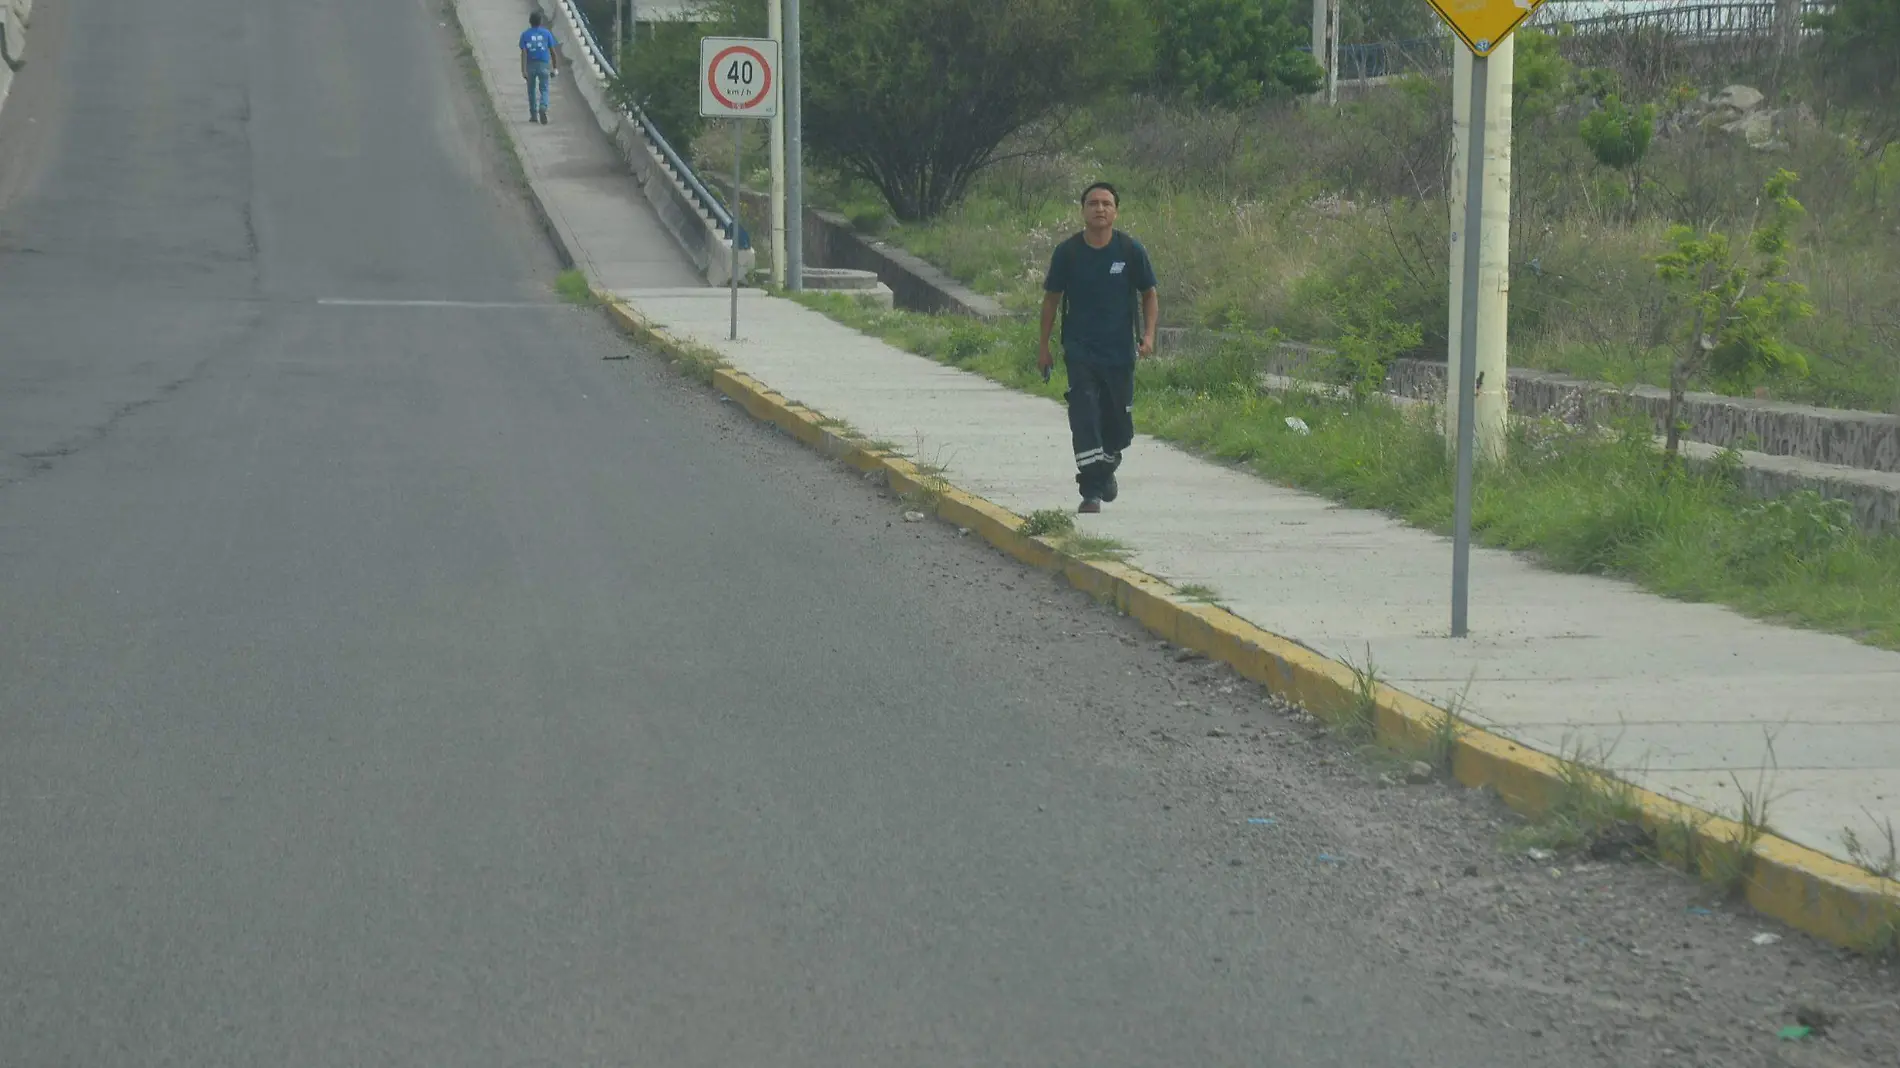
{"points": [[1862, 38], [1370, 337], [1540, 73], [660, 76], [1231, 53], [1736, 310], [1801, 525], [1384, 20], [917, 96], [1230, 365], [1618, 135]]}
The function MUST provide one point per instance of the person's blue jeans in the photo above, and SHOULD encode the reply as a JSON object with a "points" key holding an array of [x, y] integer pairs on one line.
{"points": [[538, 78]]}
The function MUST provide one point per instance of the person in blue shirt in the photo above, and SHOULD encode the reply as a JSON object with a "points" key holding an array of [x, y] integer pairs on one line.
{"points": [[539, 65], [1103, 285]]}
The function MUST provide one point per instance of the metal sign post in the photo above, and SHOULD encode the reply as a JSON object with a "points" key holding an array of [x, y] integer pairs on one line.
{"points": [[1468, 354], [732, 247], [738, 79], [1482, 25]]}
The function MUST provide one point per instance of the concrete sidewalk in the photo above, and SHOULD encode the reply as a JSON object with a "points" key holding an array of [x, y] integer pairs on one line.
{"points": [[596, 211], [1680, 696]]}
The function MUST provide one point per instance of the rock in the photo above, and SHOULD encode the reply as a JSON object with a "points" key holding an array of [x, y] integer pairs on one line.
{"points": [[1419, 773], [913, 517], [1815, 1018], [1756, 127], [1740, 97]]}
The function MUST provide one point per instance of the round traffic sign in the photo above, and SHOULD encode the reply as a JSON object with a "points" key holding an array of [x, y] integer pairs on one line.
{"points": [[739, 77]]}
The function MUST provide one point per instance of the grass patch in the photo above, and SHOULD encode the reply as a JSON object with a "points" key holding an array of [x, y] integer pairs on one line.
{"points": [[1092, 547], [1198, 593], [696, 362], [1045, 522], [1880, 862], [572, 286], [1593, 812], [1359, 718], [1727, 863], [1580, 502]]}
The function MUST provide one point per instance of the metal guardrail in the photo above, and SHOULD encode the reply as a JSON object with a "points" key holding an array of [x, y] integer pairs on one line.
{"points": [[703, 197], [1709, 21]]}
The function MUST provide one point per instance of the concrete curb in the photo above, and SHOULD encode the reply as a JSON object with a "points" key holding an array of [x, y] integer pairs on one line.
{"points": [[1808, 890]]}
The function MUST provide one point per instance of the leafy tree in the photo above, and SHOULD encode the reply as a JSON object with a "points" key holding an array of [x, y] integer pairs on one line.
{"points": [[918, 96], [1618, 136], [1229, 53], [1862, 38], [1539, 75], [660, 76], [1384, 20], [1736, 306]]}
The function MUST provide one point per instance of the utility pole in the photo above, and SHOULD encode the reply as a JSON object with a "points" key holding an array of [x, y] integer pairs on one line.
{"points": [[776, 9], [1332, 54], [794, 152], [1491, 413], [1326, 45]]}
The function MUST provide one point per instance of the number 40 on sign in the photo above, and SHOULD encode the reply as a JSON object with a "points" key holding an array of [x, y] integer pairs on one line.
{"points": [[738, 77]]}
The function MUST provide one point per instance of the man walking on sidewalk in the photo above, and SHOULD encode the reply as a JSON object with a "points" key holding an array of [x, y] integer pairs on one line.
{"points": [[1094, 280], [538, 49]]}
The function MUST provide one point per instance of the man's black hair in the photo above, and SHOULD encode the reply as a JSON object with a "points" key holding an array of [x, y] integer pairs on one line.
{"points": [[1102, 185], [534, 18]]}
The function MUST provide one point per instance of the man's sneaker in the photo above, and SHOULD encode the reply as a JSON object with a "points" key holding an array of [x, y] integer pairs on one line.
{"points": [[1090, 506], [544, 117], [1110, 491]]}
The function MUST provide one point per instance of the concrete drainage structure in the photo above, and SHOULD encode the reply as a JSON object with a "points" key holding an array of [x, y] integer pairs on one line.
{"points": [[864, 285]]}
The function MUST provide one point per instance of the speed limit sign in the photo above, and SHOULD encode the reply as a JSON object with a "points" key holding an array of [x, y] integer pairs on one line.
{"points": [[738, 77]]}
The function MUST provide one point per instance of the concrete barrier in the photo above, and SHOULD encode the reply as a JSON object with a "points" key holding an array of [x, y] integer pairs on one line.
{"points": [[918, 286], [14, 16], [698, 233], [1840, 437], [864, 285]]}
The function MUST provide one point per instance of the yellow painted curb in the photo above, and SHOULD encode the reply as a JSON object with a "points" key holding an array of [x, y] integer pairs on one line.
{"points": [[1802, 887]]}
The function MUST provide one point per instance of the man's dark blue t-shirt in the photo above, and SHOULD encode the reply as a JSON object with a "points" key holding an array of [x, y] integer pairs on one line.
{"points": [[1099, 287], [539, 43]]}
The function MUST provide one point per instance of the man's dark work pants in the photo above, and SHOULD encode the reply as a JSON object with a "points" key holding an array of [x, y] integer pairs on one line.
{"points": [[1101, 420]]}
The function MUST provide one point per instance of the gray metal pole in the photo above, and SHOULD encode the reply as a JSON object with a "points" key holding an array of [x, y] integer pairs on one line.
{"points": [[1467, 385], [794, 104], [738, 146]]}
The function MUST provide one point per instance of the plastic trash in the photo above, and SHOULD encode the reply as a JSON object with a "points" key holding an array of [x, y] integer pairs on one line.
{"points": [[1765, 939], [1298, 425], [1794, 1033], [1260, 821], [1540, 855]]}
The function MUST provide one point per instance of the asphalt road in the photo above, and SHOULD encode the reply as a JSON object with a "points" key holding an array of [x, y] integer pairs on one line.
{"points": [[409, 685]]}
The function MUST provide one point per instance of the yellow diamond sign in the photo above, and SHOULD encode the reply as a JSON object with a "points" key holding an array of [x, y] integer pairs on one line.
{"points": [[1484, 24]]}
